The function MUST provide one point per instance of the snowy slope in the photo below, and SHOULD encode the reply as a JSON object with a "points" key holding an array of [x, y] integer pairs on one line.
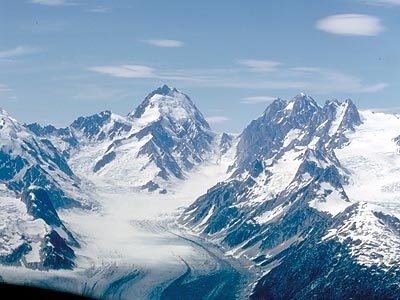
{"points": [[306, 194], [373, 160], [29, 237], [162, 139], [26, 159], [127, 225], [301, 175], [35, 180], [134, 233], [287, 149]]}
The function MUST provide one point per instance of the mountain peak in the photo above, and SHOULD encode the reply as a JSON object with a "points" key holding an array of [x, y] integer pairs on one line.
{"points": [[160, 97], [164, 90], [168, 103], [303, 98], [301, 102]]}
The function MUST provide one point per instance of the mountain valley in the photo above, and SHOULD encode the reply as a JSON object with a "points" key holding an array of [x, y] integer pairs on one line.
{"points": [[303, 203]]}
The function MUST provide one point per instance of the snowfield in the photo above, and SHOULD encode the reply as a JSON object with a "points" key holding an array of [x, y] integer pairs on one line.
{"points": [[130, 246], [373, 159]]}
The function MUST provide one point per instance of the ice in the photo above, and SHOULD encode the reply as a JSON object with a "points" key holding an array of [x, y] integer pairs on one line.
{"points": [[291, 135], [270, 215], [132, 227], [128, 231], [16, 226], [206, 218], [337, 121], [290, 106], [373, 242], [282, 174], [373, 159], [329, 200]]}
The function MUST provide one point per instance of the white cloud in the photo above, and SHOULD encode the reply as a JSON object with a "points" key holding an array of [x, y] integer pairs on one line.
{"points": [[373, 88], [351, 24], [329, 81], [125, 71], [257, 99], [17, 51], [384, 2], [306, 69], [99, 10], [141, 71], [260, 65], [217, 119], [313, 80], [164, 43], [4, 88], [49, 2], [13, 99]]}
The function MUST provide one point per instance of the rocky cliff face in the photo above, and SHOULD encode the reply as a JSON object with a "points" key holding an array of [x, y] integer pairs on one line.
{"points": [[286, 202]]}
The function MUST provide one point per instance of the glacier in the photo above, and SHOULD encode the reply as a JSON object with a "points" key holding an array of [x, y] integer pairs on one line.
{"points": [[155, 204]]}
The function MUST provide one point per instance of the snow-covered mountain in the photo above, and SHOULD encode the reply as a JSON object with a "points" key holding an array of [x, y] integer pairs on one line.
{"points": [[286, 203], [164, 137], [26, 160], [35, 179], [307, 196]]}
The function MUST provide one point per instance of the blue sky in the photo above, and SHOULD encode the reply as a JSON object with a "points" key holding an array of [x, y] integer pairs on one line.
{"points": [[61, 59]]}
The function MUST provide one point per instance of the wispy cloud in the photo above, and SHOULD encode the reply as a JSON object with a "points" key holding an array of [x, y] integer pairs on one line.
{"points": [[373, 88], [12, 99], [4, 88], [306, 69], [125, 71], [217, 119], [351, 25], [383, 2], [326, 81], [17, 51], [257, 99], [260, 65], [166, 43], [310, 79], [142, 71], [99, 10], [50, 2]]}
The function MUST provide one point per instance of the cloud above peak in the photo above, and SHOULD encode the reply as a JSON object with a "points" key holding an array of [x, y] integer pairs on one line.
{"points": [[260, 65], [165, 43], [351, 25], [125, 71], [315, 80]]}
